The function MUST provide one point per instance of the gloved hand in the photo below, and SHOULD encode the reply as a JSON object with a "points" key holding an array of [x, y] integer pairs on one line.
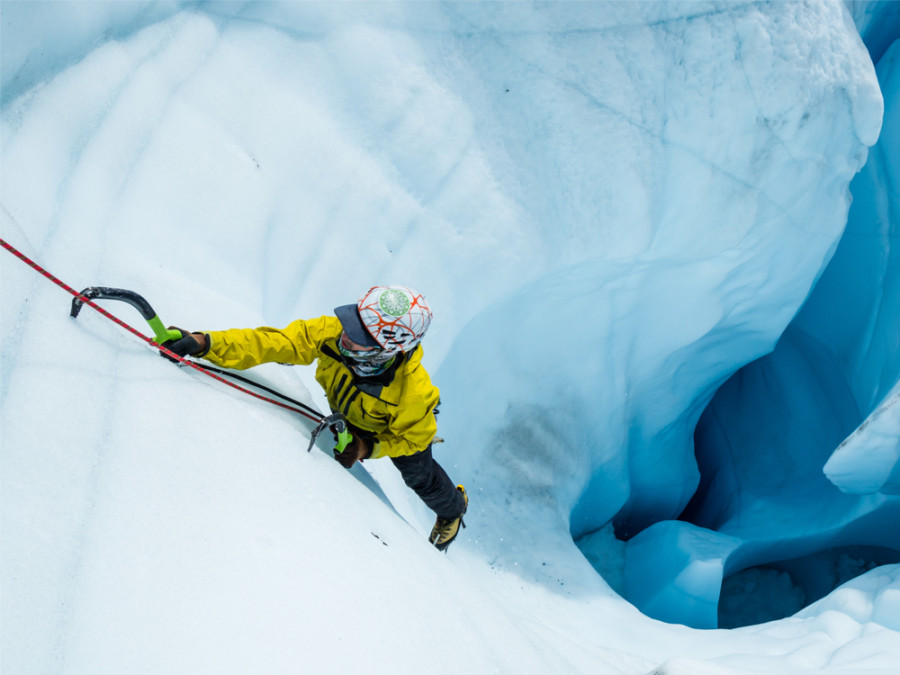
{"points": [[189, 344], [359, 448]]}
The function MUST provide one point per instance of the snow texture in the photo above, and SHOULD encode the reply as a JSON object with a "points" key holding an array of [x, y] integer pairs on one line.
{"points": [[628, 217]]}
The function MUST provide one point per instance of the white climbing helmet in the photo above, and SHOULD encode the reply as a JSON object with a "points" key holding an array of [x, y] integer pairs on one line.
{"points": [[396, 316]]}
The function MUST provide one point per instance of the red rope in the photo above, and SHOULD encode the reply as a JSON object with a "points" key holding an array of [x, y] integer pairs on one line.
{"points": [[90, 303]]}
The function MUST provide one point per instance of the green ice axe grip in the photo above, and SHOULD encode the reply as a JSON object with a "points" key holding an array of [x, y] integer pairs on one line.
{"points": [[344, 438], [160, 332]]}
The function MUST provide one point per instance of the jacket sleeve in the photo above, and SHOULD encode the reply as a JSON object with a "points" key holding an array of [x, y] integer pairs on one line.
{"points": [[298, 343], [413, 426]]}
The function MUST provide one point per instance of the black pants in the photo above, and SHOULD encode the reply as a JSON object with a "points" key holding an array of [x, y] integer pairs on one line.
{"points": [[426, 478]]}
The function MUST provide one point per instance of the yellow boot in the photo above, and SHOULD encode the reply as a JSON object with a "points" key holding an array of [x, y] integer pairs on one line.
{"points": [[445, 529]]}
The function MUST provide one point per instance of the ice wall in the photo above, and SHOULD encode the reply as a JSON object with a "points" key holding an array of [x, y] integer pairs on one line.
{"points": [[713, 171], [773, 428], [863, 328], [878, 23], [35, 50], [611, 206]]}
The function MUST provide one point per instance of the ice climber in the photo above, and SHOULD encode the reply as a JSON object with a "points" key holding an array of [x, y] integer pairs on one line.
{"points": [[369, 362]]}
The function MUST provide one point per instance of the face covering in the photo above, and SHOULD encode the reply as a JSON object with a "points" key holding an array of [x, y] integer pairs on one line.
{"points": [[367, 363]]}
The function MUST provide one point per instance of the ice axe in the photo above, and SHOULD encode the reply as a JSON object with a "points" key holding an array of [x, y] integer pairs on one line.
{"points": [[338, 423], [160, 332], [163, 335]]}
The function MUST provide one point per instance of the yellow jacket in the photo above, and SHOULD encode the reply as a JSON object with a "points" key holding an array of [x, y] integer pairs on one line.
{"points": [[400, 415]]}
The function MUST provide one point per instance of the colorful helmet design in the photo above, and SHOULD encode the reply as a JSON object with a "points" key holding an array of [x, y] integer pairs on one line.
{"points": [[396, 316]]}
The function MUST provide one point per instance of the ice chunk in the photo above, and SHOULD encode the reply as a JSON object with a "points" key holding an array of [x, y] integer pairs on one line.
{"points": [[674, 572], [869, 459]]}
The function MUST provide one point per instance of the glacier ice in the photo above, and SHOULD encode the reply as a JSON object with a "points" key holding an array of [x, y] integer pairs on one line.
{"points": [[770, 431], [868, 460], [627, 358], [614, 206]]}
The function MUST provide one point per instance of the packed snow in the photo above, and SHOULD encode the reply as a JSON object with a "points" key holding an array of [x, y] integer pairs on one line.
{"points": [[666, 336]]}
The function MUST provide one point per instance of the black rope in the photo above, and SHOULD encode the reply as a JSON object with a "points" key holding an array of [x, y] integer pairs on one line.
{"points": [[247, 380]]}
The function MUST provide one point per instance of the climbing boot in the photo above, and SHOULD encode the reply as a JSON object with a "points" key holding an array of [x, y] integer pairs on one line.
{"points": [[445, 529]]}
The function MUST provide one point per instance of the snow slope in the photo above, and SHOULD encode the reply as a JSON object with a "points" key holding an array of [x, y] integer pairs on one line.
{"points": [[612, 207]]}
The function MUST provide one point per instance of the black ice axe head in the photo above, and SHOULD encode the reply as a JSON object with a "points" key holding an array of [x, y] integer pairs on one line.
{"points": [[160, 332]]}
